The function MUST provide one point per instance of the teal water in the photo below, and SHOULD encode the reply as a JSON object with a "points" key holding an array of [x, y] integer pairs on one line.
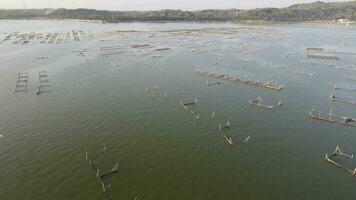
{"points": [[163, 151]]}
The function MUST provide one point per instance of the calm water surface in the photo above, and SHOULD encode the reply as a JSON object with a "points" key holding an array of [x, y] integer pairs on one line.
{"points": [[163, 152]]}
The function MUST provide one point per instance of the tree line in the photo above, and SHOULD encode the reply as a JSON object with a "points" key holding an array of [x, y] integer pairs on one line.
{"points": [[299, 12]]}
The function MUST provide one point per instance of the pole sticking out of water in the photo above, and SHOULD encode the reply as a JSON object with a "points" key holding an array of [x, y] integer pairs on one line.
{"points": [[246, 139], [229, 140], [115, 168], [103, 185], [227, 124], [90, 164], [196, 100], [220, 128], [280, 103], [104, 149], [339, 152], [213, 115]]}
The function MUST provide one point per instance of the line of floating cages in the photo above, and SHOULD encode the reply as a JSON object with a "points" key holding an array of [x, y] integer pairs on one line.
{"points": [[348, 88], [45, 38], [309, 49], [185, 107], [263, 84], [350, 78], [101, 177], [349, 68], [315, 53], [22, 81], [330, 117], [44, 84], [333, 98], [323, 57], [338, 152], [319, 50]]}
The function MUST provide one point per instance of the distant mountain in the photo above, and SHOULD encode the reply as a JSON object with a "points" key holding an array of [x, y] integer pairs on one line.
{"points": [[317, 11]]}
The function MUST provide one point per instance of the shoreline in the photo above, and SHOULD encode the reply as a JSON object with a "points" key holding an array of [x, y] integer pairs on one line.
{"points": [[245, 22]]}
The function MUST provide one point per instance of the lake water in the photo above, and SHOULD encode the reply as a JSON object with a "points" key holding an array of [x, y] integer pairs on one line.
{"points": [[119, 87]]}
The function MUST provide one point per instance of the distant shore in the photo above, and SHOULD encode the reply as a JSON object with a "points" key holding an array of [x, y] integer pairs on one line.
{"points": [[317, 12], [254, 22]]}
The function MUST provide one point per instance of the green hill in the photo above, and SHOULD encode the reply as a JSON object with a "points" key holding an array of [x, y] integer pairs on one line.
{"points": [[299, 12]]}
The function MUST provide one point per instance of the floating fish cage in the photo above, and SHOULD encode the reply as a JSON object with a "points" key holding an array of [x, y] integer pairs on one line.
{"points": [[263, 84], [257, 102], [330, 117], [323, 57], [44, 84], [213, 83], [351, 78], [313, 49], [333, 98], [185, 107], [339, 153], [227, 126], [22, 81], [101, 177]]}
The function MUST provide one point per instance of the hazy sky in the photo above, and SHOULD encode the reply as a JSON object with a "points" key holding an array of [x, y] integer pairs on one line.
{"points": [[149, 4]]}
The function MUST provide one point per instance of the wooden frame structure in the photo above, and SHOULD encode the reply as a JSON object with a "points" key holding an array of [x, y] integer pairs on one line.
{"points": [[185, 107], [22, 82], [44, 86], [333, 118], [338, 152]]}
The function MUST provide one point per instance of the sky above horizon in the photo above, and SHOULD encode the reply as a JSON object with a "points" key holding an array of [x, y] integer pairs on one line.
{"points": [[151, 4]]}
